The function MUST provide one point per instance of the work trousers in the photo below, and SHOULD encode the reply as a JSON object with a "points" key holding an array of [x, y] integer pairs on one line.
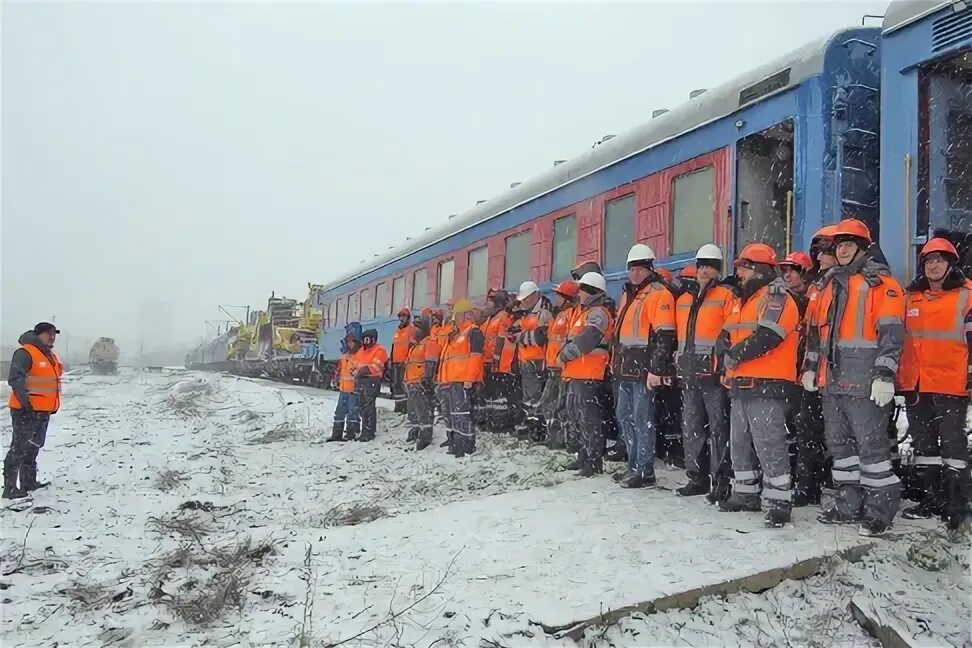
{"points": [[460, 412], [501, 399], [807, 424], [366, 392], [585, 417], [705, 432], [347, 409], [940, 441], [856, 430], [552, 405], [28, 437], [635, 410], [760, 458], [421, 408], [398, 386], [609, 397], [533, 377], [668, 414]]}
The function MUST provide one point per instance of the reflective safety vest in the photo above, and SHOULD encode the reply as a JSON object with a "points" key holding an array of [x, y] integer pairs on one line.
{"points": [[506, 357], [436, 340], [699, 325], [652, 308], [415, 363], [401, 343], [557, 335], [593, 365], [346, 371], [459, 364], [43, 382], [493, 329], [854, 345], [781, 361], [526, 350], [935, 357], [374, 358]]}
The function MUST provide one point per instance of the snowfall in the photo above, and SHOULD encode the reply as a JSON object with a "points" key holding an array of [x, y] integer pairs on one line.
{"points": [[191, 508]]}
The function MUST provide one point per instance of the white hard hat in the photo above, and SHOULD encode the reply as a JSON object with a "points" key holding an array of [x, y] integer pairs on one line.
{"points": [[640, 252], [709, 251], [527, 288], [594, 280]]}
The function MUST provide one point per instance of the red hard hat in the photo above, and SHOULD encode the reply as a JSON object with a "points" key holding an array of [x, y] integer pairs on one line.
{"points": [[940, 245], [758, 253], [827, 231], [567, 288], [799, 259], [852, 227], [665, 273], [689, 272]]}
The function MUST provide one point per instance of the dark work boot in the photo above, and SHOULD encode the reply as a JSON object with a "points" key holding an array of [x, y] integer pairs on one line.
{"points": [[637, 481], [693, 488], [834, 516], [805, 497], [740, 503], [576, 464], [720, 491], [412, 435], [424, 440], [931, 504], [352, 430], [10, 490], [337, 432], [591, 468], [28, 478], [617, 452], [776, 517]]}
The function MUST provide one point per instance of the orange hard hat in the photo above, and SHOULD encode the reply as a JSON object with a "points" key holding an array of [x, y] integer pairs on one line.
{"points": [[852, 227], [689, 272], [758, 253], [940, 245], [404, 311], [567, 288], [667, 274], [800, 259], [827, 231]]}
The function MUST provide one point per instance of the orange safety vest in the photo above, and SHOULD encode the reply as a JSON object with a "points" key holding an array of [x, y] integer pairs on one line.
{"points": [[374, 358], [781, 362], [43, 382], [711, 315], [591, 366], [653, 307], [346, 371], [415, 364], [557, 334], [507, 354], [494, 329], [401, 343], [935, 357], [435, 341], [857, 332], [531, 322], [459, 364]]}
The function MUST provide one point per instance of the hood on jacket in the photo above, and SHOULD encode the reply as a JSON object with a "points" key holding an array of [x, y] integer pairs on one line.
{"points": [[954, 279], [353, 331], [32, 339]]}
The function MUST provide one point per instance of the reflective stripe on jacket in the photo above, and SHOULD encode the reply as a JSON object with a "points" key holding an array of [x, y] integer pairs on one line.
{"points": [[461, 363], [373, 358], [494, 330], [557, 334], [771, 307], [593, 364], [346, 371], [43, 382], [644, 317], [401, 343], [415, 364], [699, 319]]}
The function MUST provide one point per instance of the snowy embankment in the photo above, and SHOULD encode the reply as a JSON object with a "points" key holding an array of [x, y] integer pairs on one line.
{"points": [[190, 508]]}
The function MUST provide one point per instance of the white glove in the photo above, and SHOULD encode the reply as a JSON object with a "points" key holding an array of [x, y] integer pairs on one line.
{"points": [[809, 380], [882, 392]]}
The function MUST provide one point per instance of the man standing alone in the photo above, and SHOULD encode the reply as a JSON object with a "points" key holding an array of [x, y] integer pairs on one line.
{"points": [[35, 383]]}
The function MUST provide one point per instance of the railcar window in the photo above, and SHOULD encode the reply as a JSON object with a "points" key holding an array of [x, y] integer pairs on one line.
{"points": [[692, 209], [564, 246], [367, 304], [516, 268], [444, 290], [382, 301], [420, 289], [619, 219], [353, 307], [334, 308], [476, 278], [398, 294]]}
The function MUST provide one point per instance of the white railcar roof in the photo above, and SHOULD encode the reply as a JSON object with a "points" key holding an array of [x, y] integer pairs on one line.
{"points": [[904, 12]]}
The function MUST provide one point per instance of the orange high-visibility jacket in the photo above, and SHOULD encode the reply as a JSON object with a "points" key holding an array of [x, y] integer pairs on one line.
{"points": [[401, 343], [641, 318], [774, 308], [373, 358], [557, 334], [700, 318], [534, 328], [935, 358], [868, 330], [346, 371], [418, 358], [462, 359], [43, 382], [495, 330], [593, 364]]}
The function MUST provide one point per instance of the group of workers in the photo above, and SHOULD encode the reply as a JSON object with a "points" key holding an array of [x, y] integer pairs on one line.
{"points": [[786, 367]]}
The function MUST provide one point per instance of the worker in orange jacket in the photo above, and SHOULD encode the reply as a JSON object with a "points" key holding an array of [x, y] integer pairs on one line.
{"points": [[759, 352], [401, 343], [531, 344], [585, 357], [700, 315], [347, 421], [935, 374], [497, 393], [852, 355], [419, 382], [554, 398], [370, 362], [461, 371], [35, 395]]}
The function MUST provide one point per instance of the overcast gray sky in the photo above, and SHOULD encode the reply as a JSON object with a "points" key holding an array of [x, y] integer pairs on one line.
{"points": [[189, 154]]}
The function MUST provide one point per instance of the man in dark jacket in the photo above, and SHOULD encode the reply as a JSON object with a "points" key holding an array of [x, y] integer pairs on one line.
{"points": [[35, 383]]}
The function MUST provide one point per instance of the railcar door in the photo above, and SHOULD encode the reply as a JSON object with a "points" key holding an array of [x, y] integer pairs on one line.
{"points": [[764, 188]]}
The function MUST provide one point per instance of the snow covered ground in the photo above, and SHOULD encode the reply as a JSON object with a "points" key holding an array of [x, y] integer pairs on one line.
{"points": [[190, 508]]}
